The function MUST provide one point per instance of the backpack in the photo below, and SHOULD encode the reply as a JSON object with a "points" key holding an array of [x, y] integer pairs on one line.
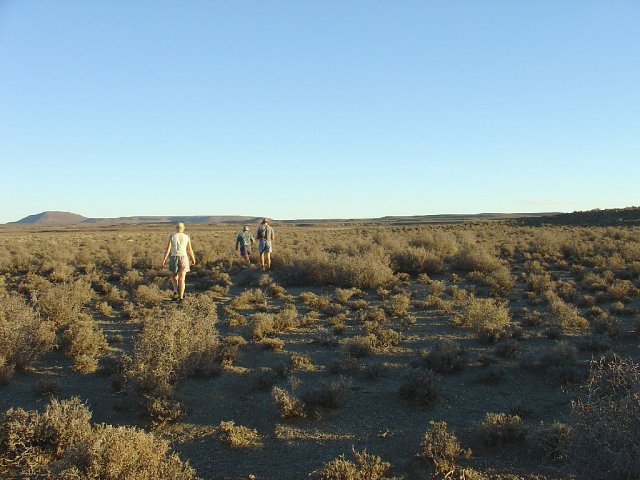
{"points": [[262, 232]]}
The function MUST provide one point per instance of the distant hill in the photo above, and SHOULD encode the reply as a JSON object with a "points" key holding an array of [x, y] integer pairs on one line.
{"points": [[66, 218], [52, 218], [629, 216]]}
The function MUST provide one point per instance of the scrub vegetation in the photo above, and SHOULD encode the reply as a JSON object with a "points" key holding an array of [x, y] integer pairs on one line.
{"points": [[481, 350]]}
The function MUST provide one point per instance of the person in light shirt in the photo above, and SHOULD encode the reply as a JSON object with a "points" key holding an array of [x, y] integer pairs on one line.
{"points": [[178, 252]]}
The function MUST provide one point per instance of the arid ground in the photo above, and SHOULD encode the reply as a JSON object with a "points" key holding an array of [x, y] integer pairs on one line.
{"points": [[480, 350]]}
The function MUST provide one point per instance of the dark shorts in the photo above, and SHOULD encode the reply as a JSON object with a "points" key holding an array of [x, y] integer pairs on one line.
{"points": [[264, 246], [178, 264], [245, 250]]}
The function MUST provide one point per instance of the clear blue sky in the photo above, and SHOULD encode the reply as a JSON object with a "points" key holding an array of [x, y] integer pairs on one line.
{"points": [[317, 109]]}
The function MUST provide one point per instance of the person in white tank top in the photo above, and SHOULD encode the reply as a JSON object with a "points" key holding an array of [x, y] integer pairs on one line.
{"points": [[178, 252]]}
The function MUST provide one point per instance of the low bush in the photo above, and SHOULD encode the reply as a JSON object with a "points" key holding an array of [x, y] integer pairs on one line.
{"points": [[500, 428], [24, 335], [329, 395], [420, 386], [238, 436], [365, 467], [61, 443], [169, 347], [445, 357], [289, 405], [553, 441], [565, 316], [441, 447], [486, 316]]}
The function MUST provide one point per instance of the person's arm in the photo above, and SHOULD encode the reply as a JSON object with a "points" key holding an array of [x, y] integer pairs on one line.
{"points": [[166, 253], [238, 242], [253, 240], [190, 252]]}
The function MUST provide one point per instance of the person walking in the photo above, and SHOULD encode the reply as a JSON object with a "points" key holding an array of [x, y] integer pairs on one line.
{"points": [[244, 241], [265, 236], [178, 252]]}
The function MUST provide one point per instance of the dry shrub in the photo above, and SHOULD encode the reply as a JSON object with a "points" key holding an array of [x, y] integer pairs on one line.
{"points": [[84, 341], [24, 336], [441, 447], [376, 315], [289, 405], [253, 298], [344, 365], [540, 282], [488, 317], [302, 362], [474, 258], [262, 325], [286, 319], [118, 453], [606, 443], [398, 305], [553, 441], [446, 357], [31, 441], [500, 428], [343, 295], [561, 362], [313, 300], [416, 260], [171, 346], [365, 467], [62, 304], [609, 326], [565, 316], [369, 269], [238, 436], [150, 295], [507, 348], [361, 346], [420, 386], [500, 281], [329, 395], [275, 344]]}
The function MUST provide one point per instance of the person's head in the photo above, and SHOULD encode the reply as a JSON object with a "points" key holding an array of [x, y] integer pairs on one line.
{"points": [[264, 221], [180, 227], [245, 228]]}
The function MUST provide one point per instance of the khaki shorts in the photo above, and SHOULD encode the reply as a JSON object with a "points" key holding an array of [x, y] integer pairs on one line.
{"points": [[178, 264]]}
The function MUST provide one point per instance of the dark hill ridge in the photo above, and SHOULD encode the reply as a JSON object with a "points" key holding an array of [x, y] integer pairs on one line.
{"points": [[629, 216]]}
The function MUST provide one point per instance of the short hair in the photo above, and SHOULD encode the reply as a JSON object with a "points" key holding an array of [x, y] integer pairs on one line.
{"points": [[180, 226]]}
